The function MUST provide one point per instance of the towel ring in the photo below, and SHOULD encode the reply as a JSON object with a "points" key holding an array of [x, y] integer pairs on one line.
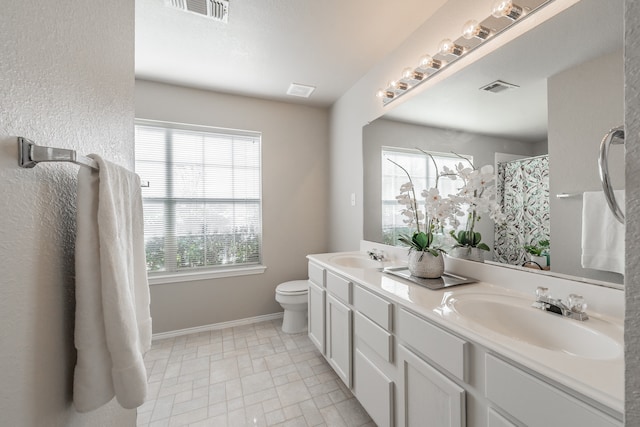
{"points": [[614, 136]]}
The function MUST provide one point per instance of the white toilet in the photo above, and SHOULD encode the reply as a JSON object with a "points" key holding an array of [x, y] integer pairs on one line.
{"points": [[292, 296]]}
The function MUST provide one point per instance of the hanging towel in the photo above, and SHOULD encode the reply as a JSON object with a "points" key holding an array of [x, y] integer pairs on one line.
{"points": [[113, 323], [602, 235]]}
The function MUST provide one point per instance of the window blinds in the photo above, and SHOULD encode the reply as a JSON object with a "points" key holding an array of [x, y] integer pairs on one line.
{"points": [[203, 206]]}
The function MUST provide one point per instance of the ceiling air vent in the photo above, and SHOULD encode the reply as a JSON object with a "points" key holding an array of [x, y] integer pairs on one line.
{"points": [[498, 86], [217, 10], [303, 91]]}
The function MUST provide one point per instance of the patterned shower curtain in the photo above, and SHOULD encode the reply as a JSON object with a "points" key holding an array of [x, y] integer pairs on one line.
{"points": [[523, 193]]}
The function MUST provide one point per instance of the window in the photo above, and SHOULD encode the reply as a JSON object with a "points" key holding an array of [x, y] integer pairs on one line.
{"points": [[423, 175], [202, 208]]}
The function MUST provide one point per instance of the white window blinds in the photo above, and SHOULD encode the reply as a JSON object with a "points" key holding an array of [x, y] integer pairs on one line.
{"points": [[202, 208]]}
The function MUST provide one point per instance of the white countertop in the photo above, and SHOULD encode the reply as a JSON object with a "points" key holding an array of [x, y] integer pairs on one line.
{"points": [[601, 380]]}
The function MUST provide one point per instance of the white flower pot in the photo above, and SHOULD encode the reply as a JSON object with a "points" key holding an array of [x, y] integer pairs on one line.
{"points": [[540, 260], [468, 253], [425, 265]]}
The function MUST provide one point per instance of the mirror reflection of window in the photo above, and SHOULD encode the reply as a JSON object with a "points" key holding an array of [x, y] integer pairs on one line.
{"points": [[423, 174]]}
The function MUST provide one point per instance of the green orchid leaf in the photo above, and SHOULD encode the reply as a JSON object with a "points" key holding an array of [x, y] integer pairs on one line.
{"points": [[483, 246], [477, 237]]}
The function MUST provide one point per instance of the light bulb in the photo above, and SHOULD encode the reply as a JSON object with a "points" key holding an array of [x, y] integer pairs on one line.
{"points": [[447, 47], [410, 73], [427, 62], [382, 93], [506, 8], [472, 28]]}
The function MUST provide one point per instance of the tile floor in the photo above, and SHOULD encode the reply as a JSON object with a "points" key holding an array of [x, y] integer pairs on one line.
{"points": [[253, 375]]}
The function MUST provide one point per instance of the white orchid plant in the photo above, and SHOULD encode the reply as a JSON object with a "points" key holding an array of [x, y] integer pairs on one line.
{"points": [[437, 212], [476, 196]]}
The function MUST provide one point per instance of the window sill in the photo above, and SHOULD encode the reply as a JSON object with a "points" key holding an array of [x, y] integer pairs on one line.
{"points": [[160, 279]]}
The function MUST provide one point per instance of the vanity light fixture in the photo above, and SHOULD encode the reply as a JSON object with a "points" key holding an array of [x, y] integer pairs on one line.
{"points": [[448, 47], [450, 51], [472, 28], [506, 8]]}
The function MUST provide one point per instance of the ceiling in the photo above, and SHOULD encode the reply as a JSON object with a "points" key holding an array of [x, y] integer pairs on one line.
{"points": [[269, 44]]}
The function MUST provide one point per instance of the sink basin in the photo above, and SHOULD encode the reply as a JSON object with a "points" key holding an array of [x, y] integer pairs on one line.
{"points": [[355, 261], [514, 318]]}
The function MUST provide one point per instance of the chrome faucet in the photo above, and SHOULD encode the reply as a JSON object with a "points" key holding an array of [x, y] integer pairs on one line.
{"points": [[574, 308], [376, 255]]}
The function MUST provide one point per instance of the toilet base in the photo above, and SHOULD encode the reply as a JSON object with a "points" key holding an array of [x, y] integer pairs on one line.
{"points": [[294, 322]]}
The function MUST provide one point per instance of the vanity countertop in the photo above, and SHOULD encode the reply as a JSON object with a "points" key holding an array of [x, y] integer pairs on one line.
{"points": [[599, 378]]}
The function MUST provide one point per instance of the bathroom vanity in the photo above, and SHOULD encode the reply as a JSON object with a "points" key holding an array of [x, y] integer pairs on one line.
{"points": [[470, 355]]}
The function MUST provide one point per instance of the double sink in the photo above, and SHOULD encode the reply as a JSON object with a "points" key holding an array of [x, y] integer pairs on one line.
{"points": [[512, 317]]}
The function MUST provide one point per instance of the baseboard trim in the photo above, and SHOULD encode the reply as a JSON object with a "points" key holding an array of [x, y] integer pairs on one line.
{"points": [[216, 326]]}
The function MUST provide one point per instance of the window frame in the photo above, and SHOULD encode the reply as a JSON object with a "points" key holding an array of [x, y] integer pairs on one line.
{"points": [[208, 272]]}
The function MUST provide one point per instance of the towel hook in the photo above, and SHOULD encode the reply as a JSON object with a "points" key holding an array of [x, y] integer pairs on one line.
{"points": [[603, 164]]}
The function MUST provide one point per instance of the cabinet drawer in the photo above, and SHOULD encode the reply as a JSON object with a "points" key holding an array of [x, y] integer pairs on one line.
{"points": [[316, 274], [537, 403], [374, 336], [445, 349], [375, 308], [339, 287]]}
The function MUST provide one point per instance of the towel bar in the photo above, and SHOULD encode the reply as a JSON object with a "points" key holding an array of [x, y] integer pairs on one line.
{"points": [[614, 136], [30, 154]]}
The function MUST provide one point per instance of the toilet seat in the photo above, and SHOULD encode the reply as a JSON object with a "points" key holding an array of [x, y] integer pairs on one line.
{"points": [[294, 287]]}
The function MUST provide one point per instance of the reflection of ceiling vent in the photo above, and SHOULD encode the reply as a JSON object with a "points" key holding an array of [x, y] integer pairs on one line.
{"points": [[217, 10], [498, 86]]}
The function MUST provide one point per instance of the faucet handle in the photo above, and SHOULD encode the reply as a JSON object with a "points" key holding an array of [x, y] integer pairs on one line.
{"points": [[576, 303], [542, 292]]}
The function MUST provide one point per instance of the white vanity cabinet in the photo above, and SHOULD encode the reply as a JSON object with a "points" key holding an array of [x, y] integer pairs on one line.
{"points": [[408, 368]]}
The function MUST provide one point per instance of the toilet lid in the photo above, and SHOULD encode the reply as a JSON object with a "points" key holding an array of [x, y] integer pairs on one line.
{"points": [[294, 287]]}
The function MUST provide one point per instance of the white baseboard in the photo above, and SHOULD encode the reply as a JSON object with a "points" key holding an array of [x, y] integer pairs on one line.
{"points": [[216, 326]]}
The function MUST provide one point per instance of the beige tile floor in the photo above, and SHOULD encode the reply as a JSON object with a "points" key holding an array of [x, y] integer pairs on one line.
{"points": [[253, 375]]}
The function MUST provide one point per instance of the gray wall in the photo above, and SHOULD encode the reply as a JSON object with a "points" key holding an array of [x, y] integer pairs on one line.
{"points": [[632, 176], [67, 81], [382, 132], [294, 190], [584, 102]]}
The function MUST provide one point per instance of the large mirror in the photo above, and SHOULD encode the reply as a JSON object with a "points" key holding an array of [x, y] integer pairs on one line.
{"points": [[542, 135]]}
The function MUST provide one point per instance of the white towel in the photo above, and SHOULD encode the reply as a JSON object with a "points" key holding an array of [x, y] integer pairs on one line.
{"points": [[602, 235], [113, 322]]}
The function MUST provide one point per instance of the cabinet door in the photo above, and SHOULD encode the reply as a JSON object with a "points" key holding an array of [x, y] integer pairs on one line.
{"points": [[315, 317], [339, 338], [427, 397], [373, 390]]}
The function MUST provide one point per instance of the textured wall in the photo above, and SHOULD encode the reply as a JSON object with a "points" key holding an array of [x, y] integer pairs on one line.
{"points": [[632, 271], [66, 80], [294, 191]]}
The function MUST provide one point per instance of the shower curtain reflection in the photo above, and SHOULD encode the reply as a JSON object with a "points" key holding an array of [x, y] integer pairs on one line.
{"points": [[523, 193]]}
